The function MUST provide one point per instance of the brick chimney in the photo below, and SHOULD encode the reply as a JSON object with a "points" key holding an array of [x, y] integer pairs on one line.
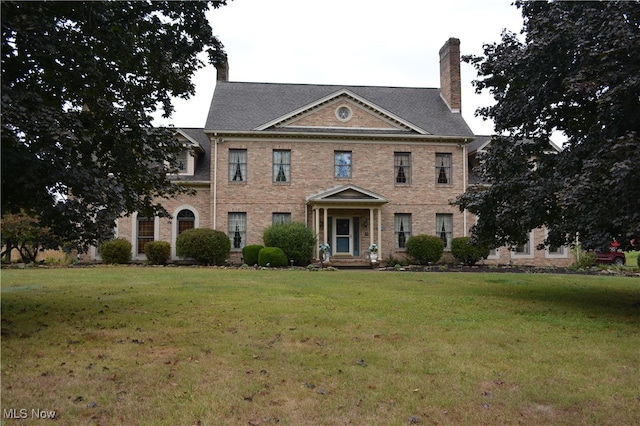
{"points": [[222, 66], [450, 87]]}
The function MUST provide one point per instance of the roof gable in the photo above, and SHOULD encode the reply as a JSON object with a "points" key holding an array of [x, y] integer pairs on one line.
{"points": [[347, 194], [322, 113]]}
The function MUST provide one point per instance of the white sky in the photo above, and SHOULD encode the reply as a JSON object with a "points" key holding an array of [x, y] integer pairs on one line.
{"points": [[352, 42]]}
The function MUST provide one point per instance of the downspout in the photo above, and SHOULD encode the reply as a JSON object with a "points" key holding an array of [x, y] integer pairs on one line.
{"points": [[215, 180], [464, 182]]}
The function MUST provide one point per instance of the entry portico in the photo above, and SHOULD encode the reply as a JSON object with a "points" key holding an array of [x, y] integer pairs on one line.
{"points": [[349, 219]]}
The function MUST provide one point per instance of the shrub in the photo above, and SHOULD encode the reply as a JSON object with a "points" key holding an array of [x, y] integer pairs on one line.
{"points": [[205, 246], [274, 256], [424, 249], [115, 251], [250, 254], [467, 252], [584, 259], [157, 252], [295, 239]]}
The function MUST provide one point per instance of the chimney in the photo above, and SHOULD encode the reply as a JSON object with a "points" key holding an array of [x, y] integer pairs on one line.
{"points": [[450, 86], [222, 66]]}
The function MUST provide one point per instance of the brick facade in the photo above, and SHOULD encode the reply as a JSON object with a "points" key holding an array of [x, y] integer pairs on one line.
{"points": [[376, 126]]}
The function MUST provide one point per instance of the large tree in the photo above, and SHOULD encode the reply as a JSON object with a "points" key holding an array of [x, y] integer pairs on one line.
{"points": [[80, 84], [574, 69]]}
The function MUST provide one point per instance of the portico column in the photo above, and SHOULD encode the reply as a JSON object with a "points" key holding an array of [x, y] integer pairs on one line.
{"points": [[326, 226], [380, 232], [371, 241], [316, 227]]}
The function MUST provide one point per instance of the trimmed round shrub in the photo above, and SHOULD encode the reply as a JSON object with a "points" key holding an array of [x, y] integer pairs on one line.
{"points": [[468, 253], [115, 251], [157, 252], [424, 249], [250, 254], [295, 239], [272, 256], [205, 246]]}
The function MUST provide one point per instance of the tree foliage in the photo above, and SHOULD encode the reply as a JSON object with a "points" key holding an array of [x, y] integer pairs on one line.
{"points": [[25, 234], [575, 72], [80, 82]]}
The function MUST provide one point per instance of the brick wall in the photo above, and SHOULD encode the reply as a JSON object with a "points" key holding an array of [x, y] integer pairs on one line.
{"points": [[312, 172]]}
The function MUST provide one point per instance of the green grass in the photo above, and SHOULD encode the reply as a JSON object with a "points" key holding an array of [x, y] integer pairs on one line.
{"points": [[632, 258], [135, 345]]}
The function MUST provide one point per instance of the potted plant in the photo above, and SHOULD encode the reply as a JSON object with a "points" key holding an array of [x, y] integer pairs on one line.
{"points": [[373, 252], [325, 249]]}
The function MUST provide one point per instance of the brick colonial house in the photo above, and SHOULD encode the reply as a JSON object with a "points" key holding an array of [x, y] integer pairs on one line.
{"points": [[357, 164]]}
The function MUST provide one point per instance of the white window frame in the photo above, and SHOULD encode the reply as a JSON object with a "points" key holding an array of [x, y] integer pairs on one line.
{"points": [[174, 227], [336, 166], [406, 168], [562, 254], [396, 230], [134, 235], [286, 167], [238, 158], [438, 166], [529, 254], [286, 216], [441, 219], [242, 217]]}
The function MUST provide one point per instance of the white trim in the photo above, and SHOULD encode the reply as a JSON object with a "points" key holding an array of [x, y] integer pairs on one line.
{"points": [[335, 235], [134, 235], [530, 255], [335, 96], [174, 225], [494, 256], [563, 255]]}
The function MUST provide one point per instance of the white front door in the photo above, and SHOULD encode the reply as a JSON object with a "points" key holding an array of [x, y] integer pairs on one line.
{"points": [[343, 238]]}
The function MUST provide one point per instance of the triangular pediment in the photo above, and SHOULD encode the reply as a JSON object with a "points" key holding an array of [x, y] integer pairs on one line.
{"points": [[188, 141], [347, 194], [342, 110]]}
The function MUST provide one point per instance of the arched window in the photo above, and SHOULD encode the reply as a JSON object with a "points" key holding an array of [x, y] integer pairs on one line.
{"points": [[186, 220]]}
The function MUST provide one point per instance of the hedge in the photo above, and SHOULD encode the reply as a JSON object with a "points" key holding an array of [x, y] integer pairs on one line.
{"points": [[115, 251], [424, 249], [205, 246], [157, 252], [274, 257]]}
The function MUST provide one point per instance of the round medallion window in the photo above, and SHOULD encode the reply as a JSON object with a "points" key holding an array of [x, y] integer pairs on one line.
{"points": [[343, 113]]}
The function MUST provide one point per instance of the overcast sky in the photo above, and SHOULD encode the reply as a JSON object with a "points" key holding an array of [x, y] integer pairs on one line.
{"points": [[351, 42]]}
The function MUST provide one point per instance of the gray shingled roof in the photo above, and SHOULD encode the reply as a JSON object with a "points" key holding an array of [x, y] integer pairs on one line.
{"points": [[238, 106]]}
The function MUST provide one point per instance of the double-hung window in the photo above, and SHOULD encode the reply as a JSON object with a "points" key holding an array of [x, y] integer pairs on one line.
{"points": [[444, 229], [182, 160], [281, 218], [237, 165], [525, 249], [237, 230], [443, 168], [342, 164], [402, 168], [146, 232], [281, 166], [402, 230]]}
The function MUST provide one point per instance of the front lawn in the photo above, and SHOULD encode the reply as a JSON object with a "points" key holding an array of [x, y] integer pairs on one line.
{"points": [[148, 346]]}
